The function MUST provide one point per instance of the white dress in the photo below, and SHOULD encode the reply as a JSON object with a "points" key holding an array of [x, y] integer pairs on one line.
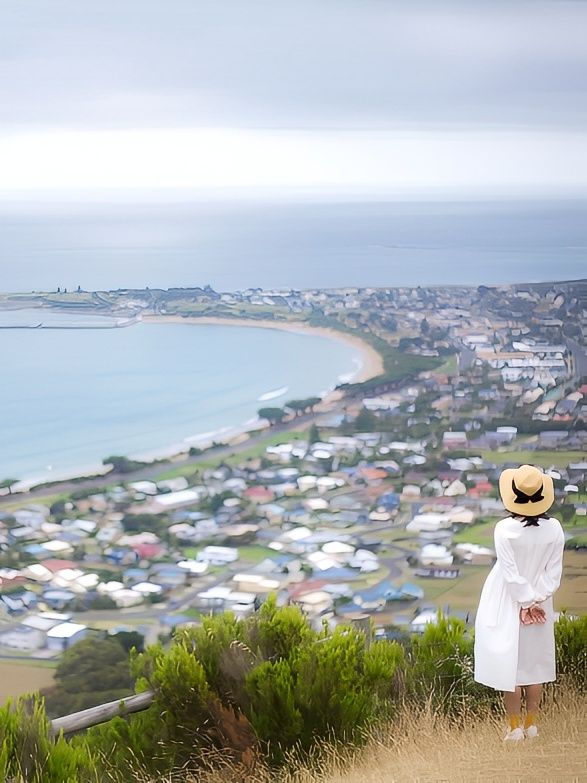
{"points": [[528, 570]]}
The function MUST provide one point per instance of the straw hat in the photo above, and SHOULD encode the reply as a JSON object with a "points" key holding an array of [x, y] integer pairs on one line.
{"points": [[526, 490]]}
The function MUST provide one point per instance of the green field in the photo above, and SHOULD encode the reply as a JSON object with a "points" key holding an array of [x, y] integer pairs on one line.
{"points": [[544, 459], [464, 591], [480, 533]]}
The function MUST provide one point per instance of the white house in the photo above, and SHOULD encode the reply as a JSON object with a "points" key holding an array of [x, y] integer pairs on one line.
{"points": [[193, 567], [428, 522], [421, 620], [218, 555], [62, 636], [435, 554], [23, 637]]}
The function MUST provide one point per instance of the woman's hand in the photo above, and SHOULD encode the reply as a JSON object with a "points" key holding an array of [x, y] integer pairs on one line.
{"points": [[537, 613], [526, 617], [532, 614]]}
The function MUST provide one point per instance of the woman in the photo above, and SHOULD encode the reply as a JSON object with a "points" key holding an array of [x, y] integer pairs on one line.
{"points": [[514, 627]]}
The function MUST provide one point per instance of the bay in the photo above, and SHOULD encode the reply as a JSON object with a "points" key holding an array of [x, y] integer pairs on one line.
{"points": [[70, 397]]}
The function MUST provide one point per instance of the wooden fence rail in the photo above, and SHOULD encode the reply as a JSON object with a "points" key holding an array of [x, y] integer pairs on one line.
{"points": [[78, 721]]}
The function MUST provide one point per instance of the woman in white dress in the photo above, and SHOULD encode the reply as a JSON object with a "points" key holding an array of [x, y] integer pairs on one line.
{"points": [[514, 626]]}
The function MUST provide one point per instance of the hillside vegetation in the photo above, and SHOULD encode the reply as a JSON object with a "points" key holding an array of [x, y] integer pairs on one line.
{"points": [[270, 697]]}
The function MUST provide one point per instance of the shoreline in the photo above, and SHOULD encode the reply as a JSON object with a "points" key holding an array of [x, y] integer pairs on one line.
{"points": [[371, 366], [371, 360]]}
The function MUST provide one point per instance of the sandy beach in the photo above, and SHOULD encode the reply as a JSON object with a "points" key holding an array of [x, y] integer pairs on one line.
{"points": [[371, 360]]}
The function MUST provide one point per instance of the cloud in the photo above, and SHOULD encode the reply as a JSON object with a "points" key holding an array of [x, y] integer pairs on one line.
{"points": [[292, 63]]}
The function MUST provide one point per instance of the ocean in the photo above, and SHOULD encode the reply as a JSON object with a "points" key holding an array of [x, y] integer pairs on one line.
{"points": [[237, 245], [71, 397]]}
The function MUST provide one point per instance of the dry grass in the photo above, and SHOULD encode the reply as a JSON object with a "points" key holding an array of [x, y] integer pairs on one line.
{"points": [[427, 747]]}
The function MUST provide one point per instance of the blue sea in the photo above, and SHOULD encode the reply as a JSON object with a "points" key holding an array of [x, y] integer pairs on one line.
{"points": [[237, 245], [70, 397]]}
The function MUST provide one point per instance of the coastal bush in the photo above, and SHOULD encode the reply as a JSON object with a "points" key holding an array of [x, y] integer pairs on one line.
{"points": [[441, 667], [172, 730], [570, 635], [29, 755]]}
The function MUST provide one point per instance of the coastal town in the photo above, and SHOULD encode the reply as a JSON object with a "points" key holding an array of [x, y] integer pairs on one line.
{"points": [[374, 506]]}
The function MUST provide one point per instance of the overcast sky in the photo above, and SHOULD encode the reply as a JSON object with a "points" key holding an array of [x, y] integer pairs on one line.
{"points": [[340, 95]]}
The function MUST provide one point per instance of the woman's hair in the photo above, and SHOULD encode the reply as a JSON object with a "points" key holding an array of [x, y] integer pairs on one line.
{"points": [[531, 521]]}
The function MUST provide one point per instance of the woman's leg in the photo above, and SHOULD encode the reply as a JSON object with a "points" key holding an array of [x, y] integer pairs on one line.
{"points": [[533, 696], [513, 706]]}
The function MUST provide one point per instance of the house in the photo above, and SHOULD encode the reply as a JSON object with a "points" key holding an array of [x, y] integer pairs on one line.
{"points": [[422, 619], [259, 495], [58, 599], [64, 635], [475, 554], [389, 501], [375, 598], [429, 522], [455, 440], [172, 500], [169, 575], [435, 555], [455, 488], [144, 487], [193, 567], [147, 589], [22, 637], [315, 602], [218, 555], [438, 573], [241, 603]]}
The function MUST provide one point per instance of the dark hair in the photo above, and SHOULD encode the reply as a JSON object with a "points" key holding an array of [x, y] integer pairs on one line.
{"points": [[531, 521]]}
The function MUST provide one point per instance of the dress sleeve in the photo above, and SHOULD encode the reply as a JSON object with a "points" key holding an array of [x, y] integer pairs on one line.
{"points": [[519, 588], [550, 579]]}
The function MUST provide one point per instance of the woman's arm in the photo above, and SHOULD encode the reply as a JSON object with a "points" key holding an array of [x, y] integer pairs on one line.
{"points": [[519, 588], [550, 579]]}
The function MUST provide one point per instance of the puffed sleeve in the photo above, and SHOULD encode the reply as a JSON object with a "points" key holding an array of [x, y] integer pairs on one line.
{"points": [[550, 579], [519, 588]]}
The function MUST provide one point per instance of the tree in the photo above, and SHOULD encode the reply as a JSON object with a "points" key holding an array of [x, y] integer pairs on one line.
{"points": [[297, 406], [366, 421], [314, 434], [93, 671], [311, 402], [144, 523], [273, 415], [130, 639], [8, 483], [122, 464]]}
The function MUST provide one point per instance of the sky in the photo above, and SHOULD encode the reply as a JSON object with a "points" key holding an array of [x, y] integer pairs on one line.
{"points": [[159, 97]]}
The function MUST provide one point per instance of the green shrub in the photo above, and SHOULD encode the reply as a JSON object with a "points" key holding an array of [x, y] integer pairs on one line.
{"points": [[571, 649], [29, 755], [442, 667]]}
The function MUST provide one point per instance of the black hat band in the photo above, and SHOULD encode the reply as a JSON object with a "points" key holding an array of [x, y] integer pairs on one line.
{"points": [[522, 497]]}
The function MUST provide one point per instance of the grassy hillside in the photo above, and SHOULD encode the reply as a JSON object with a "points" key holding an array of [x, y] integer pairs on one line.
{"points": [[427, 747]]}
